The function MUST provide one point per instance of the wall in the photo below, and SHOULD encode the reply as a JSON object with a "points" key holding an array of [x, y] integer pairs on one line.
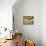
{"points": [[6, 13], [43, 22], [29, 8]]}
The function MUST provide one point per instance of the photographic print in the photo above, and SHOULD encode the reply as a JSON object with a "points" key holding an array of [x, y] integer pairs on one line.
{"points": [[28, 20]]}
